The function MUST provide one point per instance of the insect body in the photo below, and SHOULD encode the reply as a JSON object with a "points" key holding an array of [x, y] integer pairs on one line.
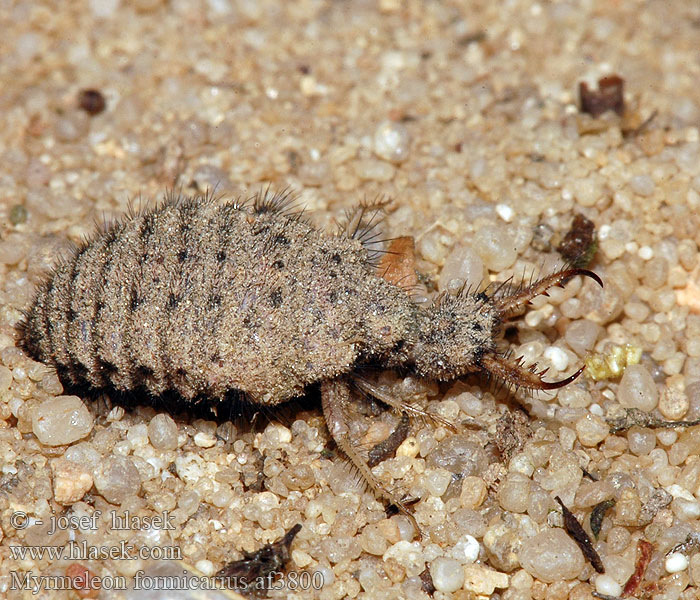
{"points": [[204, 298]]}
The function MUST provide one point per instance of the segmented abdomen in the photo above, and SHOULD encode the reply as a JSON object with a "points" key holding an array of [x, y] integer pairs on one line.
{"points": [[202, 298], [129, 308]]}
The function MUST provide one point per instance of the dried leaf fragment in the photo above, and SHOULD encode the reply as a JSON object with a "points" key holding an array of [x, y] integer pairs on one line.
{"points": [[398, 264], [578, 534], [608, 96]]}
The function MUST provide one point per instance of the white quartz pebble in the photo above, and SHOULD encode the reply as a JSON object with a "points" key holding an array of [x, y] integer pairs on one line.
{"points": [[676, 562]]}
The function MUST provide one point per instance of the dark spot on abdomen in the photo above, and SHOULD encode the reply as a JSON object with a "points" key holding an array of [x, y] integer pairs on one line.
{"points": [[276, 298]]}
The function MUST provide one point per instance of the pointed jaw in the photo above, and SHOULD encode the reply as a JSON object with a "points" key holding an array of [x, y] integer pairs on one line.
{"points": [[515, 374], [509, 304]]}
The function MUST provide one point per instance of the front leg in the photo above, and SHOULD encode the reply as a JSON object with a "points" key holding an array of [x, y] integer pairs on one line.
{"points": [[335, 397]]}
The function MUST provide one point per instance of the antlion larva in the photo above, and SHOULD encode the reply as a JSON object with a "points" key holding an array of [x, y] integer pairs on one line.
{"points": [[206, 298]]}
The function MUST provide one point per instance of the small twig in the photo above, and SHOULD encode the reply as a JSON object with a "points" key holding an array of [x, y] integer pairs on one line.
{"points": [[634, 416]]}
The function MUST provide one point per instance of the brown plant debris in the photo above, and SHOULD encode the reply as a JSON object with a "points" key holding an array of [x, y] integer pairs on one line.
{"points": [[634, 416], [580, 243], [644, 550], [598, 514], [387, 447], [426, 582], [578, 534], [608, 96], [258, 570]]}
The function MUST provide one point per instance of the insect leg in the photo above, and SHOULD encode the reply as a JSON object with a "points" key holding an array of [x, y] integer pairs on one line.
{"points": [[335, 396]]}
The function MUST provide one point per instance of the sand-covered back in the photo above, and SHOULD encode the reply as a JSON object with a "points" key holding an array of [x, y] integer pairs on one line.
{"points": [[466, 115]]}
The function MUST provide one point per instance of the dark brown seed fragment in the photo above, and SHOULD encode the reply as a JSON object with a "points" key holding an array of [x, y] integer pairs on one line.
{"points": [[578, 534], [608, 96], [91, 101], [386, 448]]}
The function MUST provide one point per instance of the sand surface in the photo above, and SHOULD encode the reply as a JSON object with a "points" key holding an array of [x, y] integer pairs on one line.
{"points": [[466, 115]]}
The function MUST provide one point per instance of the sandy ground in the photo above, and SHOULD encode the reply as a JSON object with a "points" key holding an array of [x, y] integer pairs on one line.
{"points": [[466, 115]]}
